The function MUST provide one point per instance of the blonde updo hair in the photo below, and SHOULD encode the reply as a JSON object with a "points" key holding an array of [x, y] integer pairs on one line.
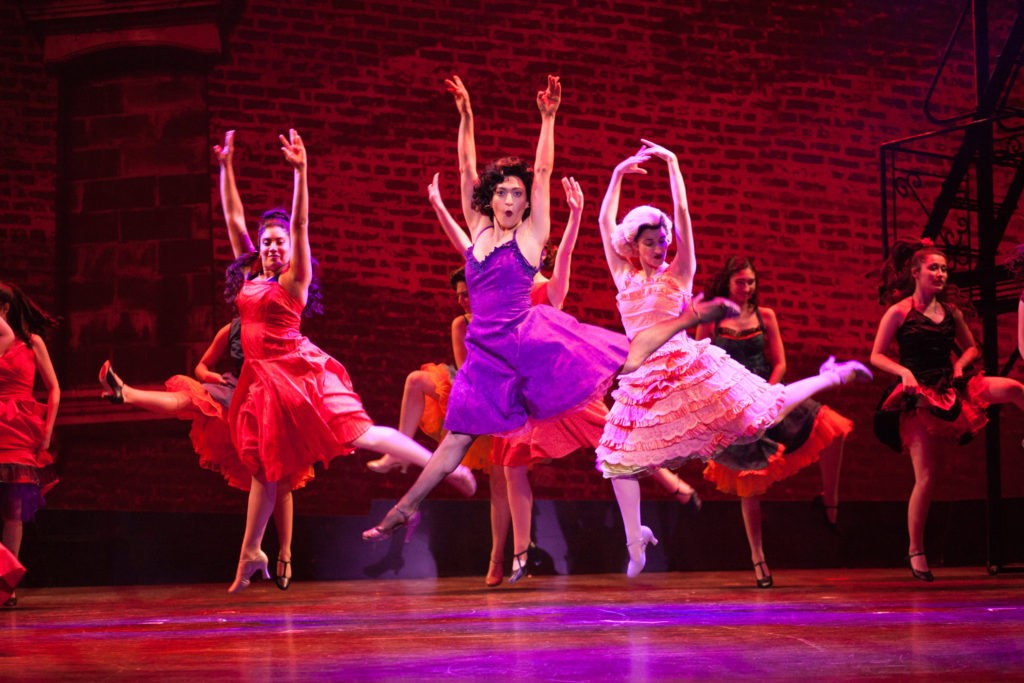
{"points": [[625, 234]]}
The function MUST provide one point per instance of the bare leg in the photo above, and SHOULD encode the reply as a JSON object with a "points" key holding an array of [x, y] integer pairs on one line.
{"points": [[650, 340], [830, 375], [923, 458], [418, 384], [680, 490], [1003, 390], [501, 516], [520, 502], [262, 496], [284, 515], [13, 530], [161, 402], [401, 447], [444, 461], [751, 508], [829, 463]]}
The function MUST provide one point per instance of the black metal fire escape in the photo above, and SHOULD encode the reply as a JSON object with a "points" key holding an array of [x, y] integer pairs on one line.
{"points": [[964, 184]]}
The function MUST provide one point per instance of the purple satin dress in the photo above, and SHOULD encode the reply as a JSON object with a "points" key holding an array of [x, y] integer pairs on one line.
{"points": [[524, 364]]}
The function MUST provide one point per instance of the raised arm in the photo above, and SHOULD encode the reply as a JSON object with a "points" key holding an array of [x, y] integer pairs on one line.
{"points": [[453, 230], [467, 149], [212, 356], [558, 285], [49, 377], [684, 265], [300, 273], [539, 226], [608, 214], [230, 200]]}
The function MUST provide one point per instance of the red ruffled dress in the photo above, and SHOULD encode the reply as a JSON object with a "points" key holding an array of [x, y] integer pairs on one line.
{"points": [[294, 405], [947, 407], [26, 470]]}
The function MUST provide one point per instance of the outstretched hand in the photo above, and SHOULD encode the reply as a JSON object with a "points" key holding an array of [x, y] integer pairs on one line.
{"points": [[458, 90], [573, 194], [226, 151], [434, 192], [294, 150], [713, 310], [654, 149], [548, 100], [632, 164]]}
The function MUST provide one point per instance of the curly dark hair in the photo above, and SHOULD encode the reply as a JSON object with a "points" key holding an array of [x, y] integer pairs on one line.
{"points": [[896, 281], [456, 277], [25, 316], [495, 173], [274, 218], [247, 265], [718, 285]]}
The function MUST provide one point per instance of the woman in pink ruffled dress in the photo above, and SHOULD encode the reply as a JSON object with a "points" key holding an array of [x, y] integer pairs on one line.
{"points": [[677, 398]]}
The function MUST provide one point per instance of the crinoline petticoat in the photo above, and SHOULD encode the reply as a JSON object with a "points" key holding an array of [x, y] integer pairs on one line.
{"points": [[687, 400], [956, 413], [797, 441]]}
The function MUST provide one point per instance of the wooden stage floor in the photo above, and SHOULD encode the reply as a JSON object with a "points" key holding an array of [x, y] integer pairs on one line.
{"points": [[815, 624]]}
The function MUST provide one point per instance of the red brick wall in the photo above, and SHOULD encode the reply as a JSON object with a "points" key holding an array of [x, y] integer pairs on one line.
{"points": [[776, 110]]}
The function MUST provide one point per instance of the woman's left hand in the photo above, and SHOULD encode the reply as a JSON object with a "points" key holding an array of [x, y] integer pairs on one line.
{"points": [[548, 100], [294, 150], [573, 194]]}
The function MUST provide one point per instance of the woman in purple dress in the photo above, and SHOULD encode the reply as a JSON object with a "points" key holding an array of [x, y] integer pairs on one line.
{"points": [[516, 352]]}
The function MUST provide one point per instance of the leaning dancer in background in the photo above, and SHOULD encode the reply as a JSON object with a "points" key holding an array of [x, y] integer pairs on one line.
{"points": [[516, 352], [677, 398], [810, 432], [26, 427], [294, 404]]}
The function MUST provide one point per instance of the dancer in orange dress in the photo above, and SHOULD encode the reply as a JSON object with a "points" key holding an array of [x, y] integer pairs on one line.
{"points": [[26, 426], [425, 401], [294, 405], [205, 403]]}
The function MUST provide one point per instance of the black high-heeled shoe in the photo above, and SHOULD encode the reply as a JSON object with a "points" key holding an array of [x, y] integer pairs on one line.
{"points": [[282, 579], [107, 377], [409, 521], [925, 575], [693, 503], [766, 579], [520, 571], [819, 504], [11, 601]]}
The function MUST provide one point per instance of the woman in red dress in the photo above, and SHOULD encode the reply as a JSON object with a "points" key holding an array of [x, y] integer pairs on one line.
{"points": [[26, 426]]}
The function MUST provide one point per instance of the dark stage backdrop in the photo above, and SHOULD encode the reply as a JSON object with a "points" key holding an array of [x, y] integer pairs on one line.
{"points": [[109, 212]]}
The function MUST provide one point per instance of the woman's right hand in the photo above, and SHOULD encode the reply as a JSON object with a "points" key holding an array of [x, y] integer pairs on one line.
{"points": [[458, 90], [632, 164], [909, 382], [211, 378], [654, 149], [226, 152]]}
